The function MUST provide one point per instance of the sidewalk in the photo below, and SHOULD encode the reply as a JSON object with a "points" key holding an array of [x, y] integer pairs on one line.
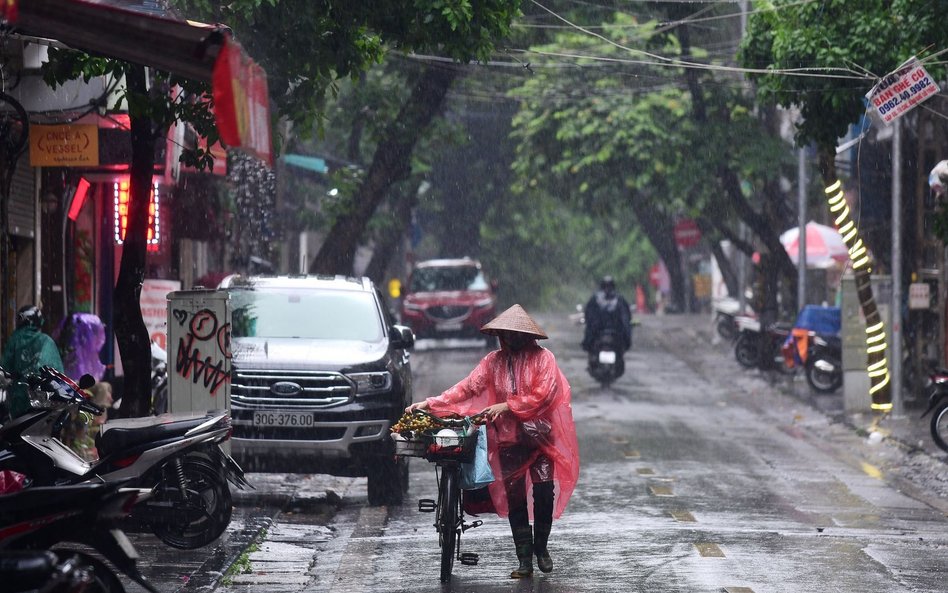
{"points": [[912, 457]]}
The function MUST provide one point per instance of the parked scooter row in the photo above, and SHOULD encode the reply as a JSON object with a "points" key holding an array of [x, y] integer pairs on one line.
{"points": [[177, 458], [35, 523], [812, 344]]}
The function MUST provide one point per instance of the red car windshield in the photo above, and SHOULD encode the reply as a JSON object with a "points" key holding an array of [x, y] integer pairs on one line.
{"points": [[447, 278]]}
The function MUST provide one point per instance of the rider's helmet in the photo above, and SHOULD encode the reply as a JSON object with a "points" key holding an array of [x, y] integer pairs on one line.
{"points": [[608, 285], [29, 316]]}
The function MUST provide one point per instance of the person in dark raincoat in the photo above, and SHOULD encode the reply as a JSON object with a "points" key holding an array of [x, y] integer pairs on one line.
{"points": [[28, 350], [607, 309], [531, 436]]}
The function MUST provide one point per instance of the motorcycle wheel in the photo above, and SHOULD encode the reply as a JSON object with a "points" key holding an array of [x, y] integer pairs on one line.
{"points": [[725, 328], [823, 381], [746, 351], [207, 500], [939, 426]]}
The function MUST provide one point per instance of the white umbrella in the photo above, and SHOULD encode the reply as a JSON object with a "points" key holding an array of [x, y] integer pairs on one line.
{"points": [[824, 245]]}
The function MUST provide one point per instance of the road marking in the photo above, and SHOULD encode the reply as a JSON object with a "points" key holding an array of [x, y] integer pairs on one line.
{"points": [[633, 454], [738, 590], [871, 470], [683, 517], [619, 440], [709, 550], [658, 490], [645, 471]]}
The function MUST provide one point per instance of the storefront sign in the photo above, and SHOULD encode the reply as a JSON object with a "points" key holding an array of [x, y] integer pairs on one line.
{"points": [[74, 145], [154, 303], [902, 90], [920, 295], [241, 102]]}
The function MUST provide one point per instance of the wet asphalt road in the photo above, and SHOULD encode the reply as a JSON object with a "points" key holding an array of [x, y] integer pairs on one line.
{"points": [[696, 476]]}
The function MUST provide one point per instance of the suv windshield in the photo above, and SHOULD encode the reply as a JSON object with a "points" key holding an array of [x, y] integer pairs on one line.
{"points": [[439, 278], [311, 314]]}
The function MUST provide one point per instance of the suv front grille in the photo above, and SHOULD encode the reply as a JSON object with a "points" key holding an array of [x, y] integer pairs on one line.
{"points": [[254, 390], [448, 312]]}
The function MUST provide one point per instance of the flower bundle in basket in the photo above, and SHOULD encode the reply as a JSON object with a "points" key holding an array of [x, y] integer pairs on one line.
{"points": [[420, 434]]}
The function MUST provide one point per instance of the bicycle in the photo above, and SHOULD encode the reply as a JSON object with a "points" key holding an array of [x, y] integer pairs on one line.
{"points": [[447, 451]]}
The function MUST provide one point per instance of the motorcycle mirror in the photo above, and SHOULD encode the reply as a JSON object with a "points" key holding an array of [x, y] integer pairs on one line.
{"points": [[86, 381]]}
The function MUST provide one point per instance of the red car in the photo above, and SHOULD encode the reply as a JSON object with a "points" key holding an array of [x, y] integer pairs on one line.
{"points": [[449, 298]]}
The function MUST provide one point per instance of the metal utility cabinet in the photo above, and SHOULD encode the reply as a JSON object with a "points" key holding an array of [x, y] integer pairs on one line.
{"points": [[199, 355], [856, 396]]}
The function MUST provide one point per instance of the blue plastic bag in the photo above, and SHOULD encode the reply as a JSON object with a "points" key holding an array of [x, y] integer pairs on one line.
{"points": [[477, 473]]}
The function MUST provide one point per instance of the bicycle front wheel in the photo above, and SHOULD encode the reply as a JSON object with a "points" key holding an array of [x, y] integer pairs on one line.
{"points": [[448, 520]]}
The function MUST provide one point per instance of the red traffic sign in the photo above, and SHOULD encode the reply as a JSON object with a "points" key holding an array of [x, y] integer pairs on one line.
{"points": [[687, 233]]}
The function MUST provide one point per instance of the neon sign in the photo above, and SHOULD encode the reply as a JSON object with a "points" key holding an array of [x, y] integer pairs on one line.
{"points": [[120, 209]]}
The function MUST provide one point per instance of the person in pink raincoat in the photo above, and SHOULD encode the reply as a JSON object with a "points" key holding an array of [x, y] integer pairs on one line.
{"points": [[531, 436]]}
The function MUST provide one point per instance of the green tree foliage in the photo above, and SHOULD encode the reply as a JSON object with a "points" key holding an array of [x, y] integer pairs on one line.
{"points": [[615, 136], [306, 48], [849, 46]]}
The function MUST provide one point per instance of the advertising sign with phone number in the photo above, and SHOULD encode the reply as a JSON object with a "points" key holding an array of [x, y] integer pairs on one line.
{"points": [[902, 90]]}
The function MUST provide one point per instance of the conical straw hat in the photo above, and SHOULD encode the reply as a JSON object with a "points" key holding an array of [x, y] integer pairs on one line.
{"points": [[514, 319]]}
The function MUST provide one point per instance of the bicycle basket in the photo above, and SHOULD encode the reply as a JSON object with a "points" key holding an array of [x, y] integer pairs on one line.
{"points": [[410, 447], [460, 446]]}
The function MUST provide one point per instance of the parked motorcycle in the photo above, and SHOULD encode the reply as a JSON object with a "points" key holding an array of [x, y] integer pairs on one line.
{"points": [[726, 312], [758, 347], [159, 379], [824, 363], [605, 358], [936, 389], [177, 457], [34, 520]]}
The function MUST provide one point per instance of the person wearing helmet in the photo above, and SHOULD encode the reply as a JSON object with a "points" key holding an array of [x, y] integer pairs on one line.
{"points": [[607, 310], [27, 350], [531, 435]]}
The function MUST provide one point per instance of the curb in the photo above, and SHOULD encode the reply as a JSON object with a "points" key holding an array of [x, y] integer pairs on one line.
{"points": [[209, 575]]}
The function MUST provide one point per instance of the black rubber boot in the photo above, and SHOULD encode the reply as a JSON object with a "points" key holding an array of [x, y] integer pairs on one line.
{"points": [[543, 523], [523, 540]]}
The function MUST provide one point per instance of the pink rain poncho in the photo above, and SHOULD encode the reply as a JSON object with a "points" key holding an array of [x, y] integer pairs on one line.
{"points": [[538, 394]]}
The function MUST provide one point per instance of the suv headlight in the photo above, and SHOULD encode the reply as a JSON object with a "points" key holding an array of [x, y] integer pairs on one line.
{"points": [[371, 383], [413, 307]]}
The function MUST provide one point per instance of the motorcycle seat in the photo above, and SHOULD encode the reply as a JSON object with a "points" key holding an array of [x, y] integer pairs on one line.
{"points": [[156, 428]]}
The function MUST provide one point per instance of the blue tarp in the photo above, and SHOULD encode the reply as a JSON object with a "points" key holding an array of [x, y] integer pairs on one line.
{"points": [[822, 320]]}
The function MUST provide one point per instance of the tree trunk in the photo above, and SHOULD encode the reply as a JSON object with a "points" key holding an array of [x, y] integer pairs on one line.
{"points": [[391, 163], [130, 331], [387, 243], [729, 180], [876, 366], [659, 228]]}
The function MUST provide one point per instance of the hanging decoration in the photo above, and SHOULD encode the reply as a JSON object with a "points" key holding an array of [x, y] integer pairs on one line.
{"points": [[876, 346]]}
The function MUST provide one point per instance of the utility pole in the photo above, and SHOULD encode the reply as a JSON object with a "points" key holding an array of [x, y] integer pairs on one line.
{"points": [[895, 364], [801, 245]]}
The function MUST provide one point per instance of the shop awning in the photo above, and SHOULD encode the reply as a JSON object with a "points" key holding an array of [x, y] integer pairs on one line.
{"points": [[185, 48]]}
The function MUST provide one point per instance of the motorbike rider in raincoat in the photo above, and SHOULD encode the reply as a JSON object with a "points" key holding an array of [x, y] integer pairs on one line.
{"points": [[27, 351], [531, 436], [607, 310]]}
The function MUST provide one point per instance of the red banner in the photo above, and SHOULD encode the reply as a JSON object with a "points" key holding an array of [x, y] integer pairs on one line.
{"points": [[241, 102]]}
